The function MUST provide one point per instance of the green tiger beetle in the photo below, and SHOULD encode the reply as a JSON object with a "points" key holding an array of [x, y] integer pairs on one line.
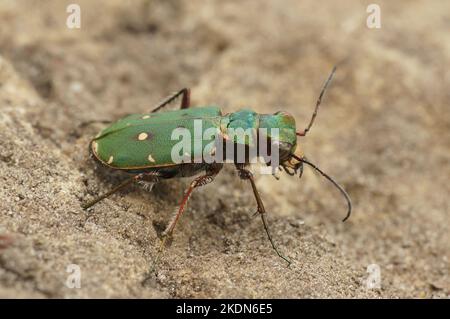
{"points": [[142, 144]]}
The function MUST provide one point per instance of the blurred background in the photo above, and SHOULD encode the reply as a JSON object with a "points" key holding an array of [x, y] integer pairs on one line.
{"points": [[382, 131]]}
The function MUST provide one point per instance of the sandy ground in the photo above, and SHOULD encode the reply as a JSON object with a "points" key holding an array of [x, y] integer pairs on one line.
{"points": [[383, 132]]}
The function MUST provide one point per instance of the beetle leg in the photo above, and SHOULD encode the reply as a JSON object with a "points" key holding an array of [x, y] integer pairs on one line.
{"points": [[149, 180], [197, 182], [301, 170], [5, 241], [87, 123], [247, 175], [185, 102], [112, 191]]}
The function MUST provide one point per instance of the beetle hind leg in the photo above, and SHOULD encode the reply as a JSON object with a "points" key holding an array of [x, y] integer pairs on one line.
{"points": [[185, 101], [112, 191]]}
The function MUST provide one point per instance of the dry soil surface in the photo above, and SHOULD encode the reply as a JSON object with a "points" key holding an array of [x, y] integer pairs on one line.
{"points": [[383, 132]]}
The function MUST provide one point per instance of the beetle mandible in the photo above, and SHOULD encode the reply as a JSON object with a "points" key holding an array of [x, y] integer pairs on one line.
{"points": [[140, 144]]}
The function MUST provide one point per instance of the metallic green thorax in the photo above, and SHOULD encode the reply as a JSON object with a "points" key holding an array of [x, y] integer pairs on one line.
{"points": [[145, 140]]}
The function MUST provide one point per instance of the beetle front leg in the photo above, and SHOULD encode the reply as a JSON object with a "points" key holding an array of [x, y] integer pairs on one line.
{"points": [[247, 175]]}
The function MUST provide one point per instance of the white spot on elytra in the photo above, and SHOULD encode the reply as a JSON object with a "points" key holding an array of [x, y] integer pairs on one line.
{"points": [[146, 117], [142, 136], [150, 158], [111, 158]]}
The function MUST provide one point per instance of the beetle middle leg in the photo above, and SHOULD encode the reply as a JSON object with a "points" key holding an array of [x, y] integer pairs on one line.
{"points": [[185, 101], [5, 241], [247, 175], [197, 182], [202, 180]]}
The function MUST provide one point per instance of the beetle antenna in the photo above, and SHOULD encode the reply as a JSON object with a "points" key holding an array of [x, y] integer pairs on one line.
{"points": [[319, 100], [339, 187]]}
